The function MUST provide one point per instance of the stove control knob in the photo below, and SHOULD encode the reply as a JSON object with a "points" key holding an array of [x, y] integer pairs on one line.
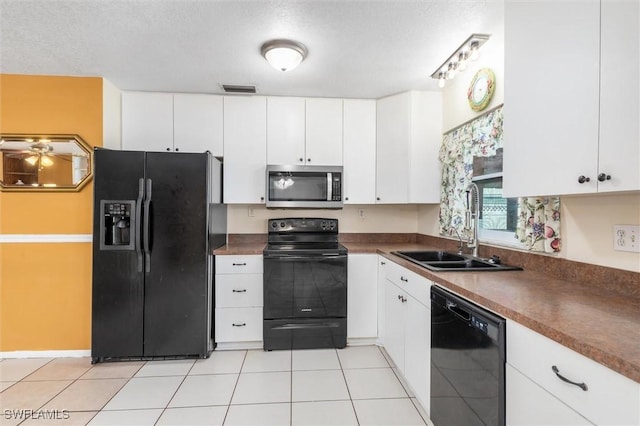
{"points": [[282, 224], [274, 224]]}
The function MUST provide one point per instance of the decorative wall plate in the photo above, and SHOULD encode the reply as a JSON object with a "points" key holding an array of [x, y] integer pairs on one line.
{"points": [[481, 89]]}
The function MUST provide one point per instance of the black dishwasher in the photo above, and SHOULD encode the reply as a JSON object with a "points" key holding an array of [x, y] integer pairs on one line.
{"points": [[467, 363]]}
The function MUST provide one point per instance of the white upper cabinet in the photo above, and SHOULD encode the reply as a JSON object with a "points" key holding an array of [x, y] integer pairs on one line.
{"points": [[147, 121], [286, 131], [172, 122], [323, 131], [359, 151], [409, 135], [619, 148], [197, 123], [304, 131], [571, 92], [245, 149]]}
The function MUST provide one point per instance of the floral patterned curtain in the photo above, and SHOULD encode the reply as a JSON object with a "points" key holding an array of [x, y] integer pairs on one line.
{"points": [[538, 218], [539, 223], [480, 138]]}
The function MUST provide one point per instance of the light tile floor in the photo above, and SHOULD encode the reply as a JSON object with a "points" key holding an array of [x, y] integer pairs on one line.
{"points": [[351, 386]]}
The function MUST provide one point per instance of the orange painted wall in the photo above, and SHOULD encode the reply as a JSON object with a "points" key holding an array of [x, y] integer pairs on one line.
{"points": [[45, 288]]}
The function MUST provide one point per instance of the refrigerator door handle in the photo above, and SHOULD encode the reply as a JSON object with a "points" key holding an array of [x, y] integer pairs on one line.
{"points": [[147, 227], [138, 226]]}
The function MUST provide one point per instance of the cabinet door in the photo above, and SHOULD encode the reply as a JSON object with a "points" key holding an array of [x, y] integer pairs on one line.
{"points": [[425, 141], [551, 93], [359, 148], [362, 296], [394, 324], [147, 121], [245, 149], [417, 350], [323, 132], [392, 156], [197, 123], [619, 150], [382, 281], [285, 130], [529, 404]]}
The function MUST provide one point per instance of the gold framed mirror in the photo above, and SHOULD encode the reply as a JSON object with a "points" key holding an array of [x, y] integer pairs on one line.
{"points": [[44, 162]]}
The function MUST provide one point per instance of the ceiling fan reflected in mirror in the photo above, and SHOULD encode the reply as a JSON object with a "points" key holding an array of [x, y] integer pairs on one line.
{"points": [[41, 153]]}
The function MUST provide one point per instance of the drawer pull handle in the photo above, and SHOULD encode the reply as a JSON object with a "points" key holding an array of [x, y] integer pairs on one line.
{"points": [[240, 325], [406, 280], [582, 386], [239, 264], [244, 290]]}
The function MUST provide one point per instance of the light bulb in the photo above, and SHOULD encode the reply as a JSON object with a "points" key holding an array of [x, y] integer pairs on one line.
{"points": [[451, 72], [475, 54], [46, 161], [462, 61], [31, 160], [441, 82], [283, 58]]}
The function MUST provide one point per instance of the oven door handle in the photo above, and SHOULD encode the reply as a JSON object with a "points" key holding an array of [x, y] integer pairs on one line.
{"points": [[305, 258], [299, 326]]}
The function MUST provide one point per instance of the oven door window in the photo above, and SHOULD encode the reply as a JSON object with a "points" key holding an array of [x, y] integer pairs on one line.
{"points": [[305, 287], [298, 186]]}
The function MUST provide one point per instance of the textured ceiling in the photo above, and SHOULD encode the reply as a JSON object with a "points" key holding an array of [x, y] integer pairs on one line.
{"points": [[359, 49]]}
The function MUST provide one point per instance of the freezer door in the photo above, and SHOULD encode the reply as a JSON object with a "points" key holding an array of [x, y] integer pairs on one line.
{"points": [[117, 289], [177, 282]]}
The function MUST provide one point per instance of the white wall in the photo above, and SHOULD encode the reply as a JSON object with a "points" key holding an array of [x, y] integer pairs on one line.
{"points": [[455, 103], [111, 116], [377, 218], [587, 229]]}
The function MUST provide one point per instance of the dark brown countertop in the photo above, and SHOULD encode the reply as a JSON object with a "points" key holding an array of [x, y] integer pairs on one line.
{"points": [[594, 321]]}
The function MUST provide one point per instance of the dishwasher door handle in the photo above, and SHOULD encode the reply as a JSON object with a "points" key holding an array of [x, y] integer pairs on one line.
{"points": [[459, 312]]}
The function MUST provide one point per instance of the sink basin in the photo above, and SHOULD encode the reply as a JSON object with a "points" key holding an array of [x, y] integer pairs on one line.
{"points": [[429, 256], [439, 261]]}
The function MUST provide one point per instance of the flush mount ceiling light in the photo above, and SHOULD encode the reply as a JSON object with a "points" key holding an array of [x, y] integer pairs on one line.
{"points": [[283, 55], [458, 60]]}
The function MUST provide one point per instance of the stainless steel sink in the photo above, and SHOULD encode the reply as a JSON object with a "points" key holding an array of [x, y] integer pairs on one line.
{"points": [[444, 261]]}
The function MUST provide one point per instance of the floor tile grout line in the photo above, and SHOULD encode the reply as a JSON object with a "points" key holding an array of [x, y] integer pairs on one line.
{"points": [[184, 377], [122, 387], [226, 413], [353, 406], [291, 388], [418, 410]]}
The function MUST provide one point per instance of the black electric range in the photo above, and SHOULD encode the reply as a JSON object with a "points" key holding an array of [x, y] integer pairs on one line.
{"points": [[305, 285]]}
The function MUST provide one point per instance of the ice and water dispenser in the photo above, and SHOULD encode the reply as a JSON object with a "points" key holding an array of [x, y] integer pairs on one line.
{"points": [[117, 224]]}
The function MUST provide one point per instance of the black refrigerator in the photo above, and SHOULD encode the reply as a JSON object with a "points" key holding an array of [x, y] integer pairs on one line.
{"points": [[157, 218]]}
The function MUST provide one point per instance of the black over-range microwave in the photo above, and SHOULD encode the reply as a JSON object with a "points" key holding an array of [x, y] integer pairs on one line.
{"points": [[310, 187]]}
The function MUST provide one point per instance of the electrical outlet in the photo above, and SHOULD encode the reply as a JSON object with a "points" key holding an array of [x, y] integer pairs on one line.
{"points": [[626, 238], [251, 212], [361, 213]]}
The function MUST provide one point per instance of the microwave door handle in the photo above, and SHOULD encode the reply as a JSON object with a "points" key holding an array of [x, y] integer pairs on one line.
{"points": [[329, 187]]}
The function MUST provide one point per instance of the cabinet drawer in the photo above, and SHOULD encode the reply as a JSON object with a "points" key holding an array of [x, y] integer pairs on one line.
{"points": [[528, 404], [244, 264], [238, 290], [610, 398], [417, 286], [238, 324]]}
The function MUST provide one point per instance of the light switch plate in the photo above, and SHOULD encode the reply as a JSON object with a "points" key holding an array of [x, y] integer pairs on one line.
{"points": [[626, 238]]}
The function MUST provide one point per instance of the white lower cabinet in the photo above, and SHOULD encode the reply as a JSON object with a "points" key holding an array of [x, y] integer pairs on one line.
{"points": [[530, 404], [407, 323], [606, 397], [362, 296], [239, 301]]}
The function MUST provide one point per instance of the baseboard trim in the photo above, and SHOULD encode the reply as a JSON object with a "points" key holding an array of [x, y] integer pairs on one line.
{"points": [[46, 354], [45, 238]]}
